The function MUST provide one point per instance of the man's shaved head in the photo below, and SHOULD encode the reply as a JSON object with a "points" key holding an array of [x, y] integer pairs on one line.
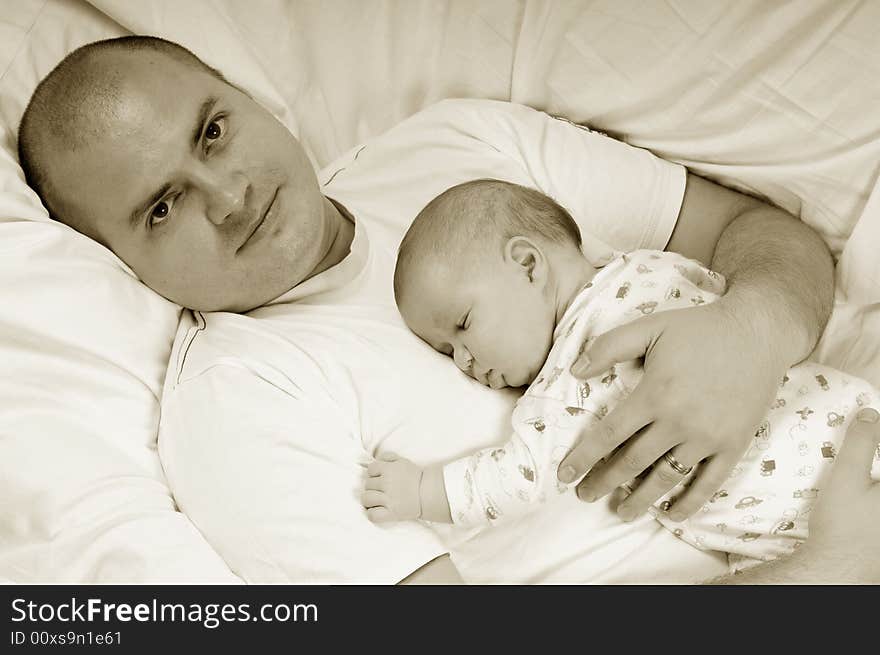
{"points": [[74, 105], [199, 189]]}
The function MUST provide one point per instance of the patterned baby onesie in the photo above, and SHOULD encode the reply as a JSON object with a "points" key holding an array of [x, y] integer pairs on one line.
{"points": [[759, 513]]}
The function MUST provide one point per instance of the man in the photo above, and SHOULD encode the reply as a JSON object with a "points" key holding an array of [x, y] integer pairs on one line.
{"points": [[139, 145]]}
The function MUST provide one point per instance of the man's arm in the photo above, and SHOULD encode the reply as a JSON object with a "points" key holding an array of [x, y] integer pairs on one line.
{"points": [[844, 537], [773, 262], [440, 570], [711, 372]]}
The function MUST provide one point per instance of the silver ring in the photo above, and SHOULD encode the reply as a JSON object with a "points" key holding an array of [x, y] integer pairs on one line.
{"points": [[676, 465]]}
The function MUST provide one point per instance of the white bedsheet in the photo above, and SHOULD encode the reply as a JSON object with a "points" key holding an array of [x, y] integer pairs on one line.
{"points": [[771, 97]]}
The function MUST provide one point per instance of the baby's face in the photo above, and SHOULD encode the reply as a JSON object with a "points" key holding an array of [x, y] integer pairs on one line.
{"points": [[495, 324]]}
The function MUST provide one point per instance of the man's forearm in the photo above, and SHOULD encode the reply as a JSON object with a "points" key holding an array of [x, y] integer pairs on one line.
{"points": [[804, 567], [782, 571], [780, 269], [440, 570]]}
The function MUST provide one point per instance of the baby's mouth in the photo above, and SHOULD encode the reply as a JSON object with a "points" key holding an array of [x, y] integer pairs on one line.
{"points": [[495, 380]]}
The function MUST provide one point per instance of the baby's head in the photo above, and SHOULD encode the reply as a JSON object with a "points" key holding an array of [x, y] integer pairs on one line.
{"points": [[484, 274]]}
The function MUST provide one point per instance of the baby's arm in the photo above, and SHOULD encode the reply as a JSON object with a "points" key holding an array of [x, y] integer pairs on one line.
{"points": [[504, 482], [487, 485], [492, 484]]}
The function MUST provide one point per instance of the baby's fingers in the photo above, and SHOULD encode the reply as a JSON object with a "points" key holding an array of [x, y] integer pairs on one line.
{"points": [[375, 483], [372, 498], [376, 467], [380, 515]]}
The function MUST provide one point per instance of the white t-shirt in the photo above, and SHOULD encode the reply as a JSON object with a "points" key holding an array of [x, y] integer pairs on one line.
{"points": [[269, 419]]}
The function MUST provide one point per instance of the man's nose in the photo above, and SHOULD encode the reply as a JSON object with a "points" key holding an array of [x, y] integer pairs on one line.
{"points": [[463, 358], [224, 196]]}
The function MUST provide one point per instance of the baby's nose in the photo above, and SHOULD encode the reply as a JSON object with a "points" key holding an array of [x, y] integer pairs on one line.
{"points": [[463, 359]]}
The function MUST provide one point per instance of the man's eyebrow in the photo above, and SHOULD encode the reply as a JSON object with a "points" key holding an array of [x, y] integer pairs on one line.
{"points": [[204, 111]]}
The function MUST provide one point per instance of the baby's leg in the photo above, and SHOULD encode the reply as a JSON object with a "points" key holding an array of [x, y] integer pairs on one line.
{"points": [[763, 509]]}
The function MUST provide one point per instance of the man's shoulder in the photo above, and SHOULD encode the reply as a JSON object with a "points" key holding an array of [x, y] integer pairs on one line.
{"points": [[204, 340], [479, 114], [223, 341], [452, 106], [476, 109]]}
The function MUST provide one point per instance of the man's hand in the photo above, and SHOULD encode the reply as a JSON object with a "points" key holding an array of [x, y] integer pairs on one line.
{"points": [[391, 492], [845, 524], [709, 380], [710, 371]]}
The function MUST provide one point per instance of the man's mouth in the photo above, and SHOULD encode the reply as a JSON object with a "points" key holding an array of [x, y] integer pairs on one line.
{"points": [[265, 214]]}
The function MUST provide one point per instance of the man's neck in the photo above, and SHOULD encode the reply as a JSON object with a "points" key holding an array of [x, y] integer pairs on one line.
{"points": [[340, 234]]}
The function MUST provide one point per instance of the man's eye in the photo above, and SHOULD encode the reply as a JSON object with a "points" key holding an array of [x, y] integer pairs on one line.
{"points": [[215, 129], [159, 213]]}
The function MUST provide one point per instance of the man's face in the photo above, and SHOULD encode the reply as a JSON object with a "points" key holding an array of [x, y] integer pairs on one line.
{"points": [[491, 320], [201, 191]]}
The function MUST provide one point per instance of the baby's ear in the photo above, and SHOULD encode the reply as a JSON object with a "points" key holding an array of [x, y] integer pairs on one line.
{"points": [[525, 253]]}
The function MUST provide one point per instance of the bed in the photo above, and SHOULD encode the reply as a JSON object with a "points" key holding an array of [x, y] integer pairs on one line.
{"points": [[775, 98]]}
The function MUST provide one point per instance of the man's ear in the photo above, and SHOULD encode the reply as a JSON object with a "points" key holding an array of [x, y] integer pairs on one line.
{"points": [[523, 252]]}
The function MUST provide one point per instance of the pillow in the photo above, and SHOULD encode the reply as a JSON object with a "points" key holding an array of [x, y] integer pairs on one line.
{"points": [[84, 347], [338, 73]]}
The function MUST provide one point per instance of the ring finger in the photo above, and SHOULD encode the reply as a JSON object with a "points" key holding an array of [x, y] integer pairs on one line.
{"points": [[662, 478], [636, 456]]}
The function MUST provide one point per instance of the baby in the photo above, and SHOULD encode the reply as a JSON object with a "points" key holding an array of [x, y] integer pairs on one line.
{"points": [[492, 274]]}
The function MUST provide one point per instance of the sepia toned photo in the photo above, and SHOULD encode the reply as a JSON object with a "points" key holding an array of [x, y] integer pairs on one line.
{"points": [[446, 292]]}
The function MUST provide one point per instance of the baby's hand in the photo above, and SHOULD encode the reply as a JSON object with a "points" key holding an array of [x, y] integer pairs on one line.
{"points": [[391, 492]]}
